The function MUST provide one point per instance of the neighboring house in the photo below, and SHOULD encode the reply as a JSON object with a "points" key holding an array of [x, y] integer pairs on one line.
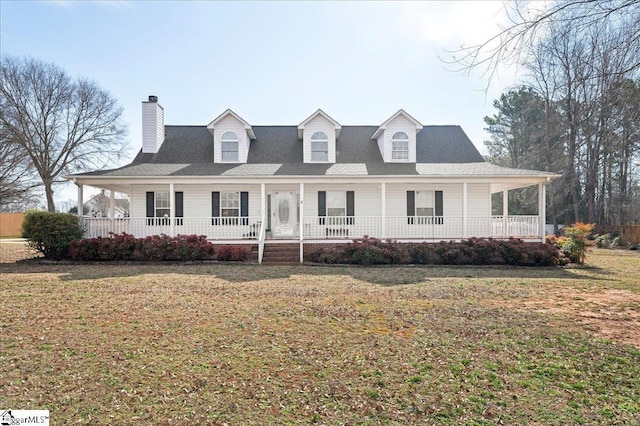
{"points": [[101, 205], [315, 182]]}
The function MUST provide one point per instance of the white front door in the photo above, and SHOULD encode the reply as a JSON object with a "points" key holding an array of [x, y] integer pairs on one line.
{"points": [[285, 214]]}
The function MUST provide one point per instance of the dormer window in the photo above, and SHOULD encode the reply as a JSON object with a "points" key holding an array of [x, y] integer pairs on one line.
{"points": [[397, 138], [319, 134], [400, 146], [229, 146], [231, 138], [319, 147]]}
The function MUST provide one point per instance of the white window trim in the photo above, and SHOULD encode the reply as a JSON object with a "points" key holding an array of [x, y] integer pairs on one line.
{"points": [[343, 195], [400, 154], [224, 199], [325, 152], [157, 207], [431, 196], [224, 141]]}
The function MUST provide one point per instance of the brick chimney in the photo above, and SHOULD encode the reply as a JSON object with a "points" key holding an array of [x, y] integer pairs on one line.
{"points": [[152, 125]]}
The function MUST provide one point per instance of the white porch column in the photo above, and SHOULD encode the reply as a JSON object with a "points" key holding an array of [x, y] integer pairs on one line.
{"points": [[301, 209], [505, 213], [172, 211], [383, 194], [542, 210], [263, 204], [80, 201], [464, 210], [112, 204]]}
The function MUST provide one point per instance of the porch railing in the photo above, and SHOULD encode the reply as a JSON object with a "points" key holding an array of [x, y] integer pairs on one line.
{"points": [[219, 228], [325, 227]]}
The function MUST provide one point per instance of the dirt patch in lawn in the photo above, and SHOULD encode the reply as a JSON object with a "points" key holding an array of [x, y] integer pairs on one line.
{"points": [[612, 314], [12, 251]]}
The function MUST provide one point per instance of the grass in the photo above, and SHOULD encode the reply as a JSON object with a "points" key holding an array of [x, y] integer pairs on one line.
{"points": [[236, 344]]}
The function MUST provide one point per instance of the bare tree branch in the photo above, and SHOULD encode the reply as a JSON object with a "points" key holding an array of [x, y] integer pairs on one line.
{"points": [[61, 125], [532, 21]]}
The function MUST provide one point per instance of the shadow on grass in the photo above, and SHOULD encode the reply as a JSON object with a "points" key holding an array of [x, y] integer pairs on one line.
{"points": [[237, 273]]}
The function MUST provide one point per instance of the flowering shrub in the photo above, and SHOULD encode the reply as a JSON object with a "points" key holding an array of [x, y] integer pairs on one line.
{"points": [[574, 241], [474, 251], [157, 247]]}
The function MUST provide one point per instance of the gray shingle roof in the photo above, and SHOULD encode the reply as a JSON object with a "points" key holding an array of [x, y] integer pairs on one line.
{"points": [[277, 151]]}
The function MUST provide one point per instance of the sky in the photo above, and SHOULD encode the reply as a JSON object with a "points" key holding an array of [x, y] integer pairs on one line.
{"points": [[273, 63]]}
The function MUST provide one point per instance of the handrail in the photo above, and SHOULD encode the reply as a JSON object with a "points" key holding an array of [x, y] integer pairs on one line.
{"points": [[261, 238]]}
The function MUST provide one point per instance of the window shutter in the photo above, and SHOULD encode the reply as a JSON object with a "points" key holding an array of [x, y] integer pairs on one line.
{"points": [[215, 208], [151, 204], [244, 207], [244, 204], [322, 206], [350, 206], [350, 203], [322, 203], [215, 204], [411, 206], [179, 204], [411, 203], [439, 209]]}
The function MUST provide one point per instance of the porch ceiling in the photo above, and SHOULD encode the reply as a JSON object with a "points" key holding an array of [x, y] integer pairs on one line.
{"points": [[506, 186]]}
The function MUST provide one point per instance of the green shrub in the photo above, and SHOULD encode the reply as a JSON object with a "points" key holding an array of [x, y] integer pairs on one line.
{"points": [[608, 241], [51, 233], [474, 251], [153, 248]]}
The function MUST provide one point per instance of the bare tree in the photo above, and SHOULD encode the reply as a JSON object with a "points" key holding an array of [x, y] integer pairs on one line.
{"points": [[531, 21], [16, 183], [62, 124]]}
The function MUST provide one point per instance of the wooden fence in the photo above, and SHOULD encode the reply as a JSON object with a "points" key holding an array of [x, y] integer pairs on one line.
{"points": [[629, 234], [11, 224]]}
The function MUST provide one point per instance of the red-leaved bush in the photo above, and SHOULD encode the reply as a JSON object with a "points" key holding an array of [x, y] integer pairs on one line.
{"points": [[157, 247], [232, 253]]}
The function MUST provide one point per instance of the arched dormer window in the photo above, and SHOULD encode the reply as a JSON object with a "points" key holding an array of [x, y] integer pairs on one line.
{"points": [[400, 146], [319, 147], [229, 146]]}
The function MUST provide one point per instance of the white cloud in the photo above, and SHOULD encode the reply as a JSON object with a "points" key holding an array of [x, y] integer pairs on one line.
{"points": [[453, 23]]}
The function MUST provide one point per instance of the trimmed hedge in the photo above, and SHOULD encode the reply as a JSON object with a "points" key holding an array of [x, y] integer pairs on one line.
{"points": [[51, 233], [474, 251], [154, 248]]}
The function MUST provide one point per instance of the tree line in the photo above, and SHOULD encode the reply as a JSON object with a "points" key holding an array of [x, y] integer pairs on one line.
{"points": [[576, 111]]}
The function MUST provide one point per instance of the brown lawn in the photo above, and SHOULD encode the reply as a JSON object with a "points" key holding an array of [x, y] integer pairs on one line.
{"points": [[245, 344]]}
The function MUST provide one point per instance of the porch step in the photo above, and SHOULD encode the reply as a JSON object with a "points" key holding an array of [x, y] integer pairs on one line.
{"points": [[281, 253]]}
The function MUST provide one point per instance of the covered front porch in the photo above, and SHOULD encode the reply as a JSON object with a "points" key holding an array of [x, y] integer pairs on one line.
{"points": [[325, 228], [251, 211]]}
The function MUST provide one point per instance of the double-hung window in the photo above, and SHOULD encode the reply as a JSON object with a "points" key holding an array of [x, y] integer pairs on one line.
{"points": [[227, 207], [159, 207], [425, 207], [400, 146], [336, 203], [229, 146], [336, 210], [230, 204], [319, 147]]}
